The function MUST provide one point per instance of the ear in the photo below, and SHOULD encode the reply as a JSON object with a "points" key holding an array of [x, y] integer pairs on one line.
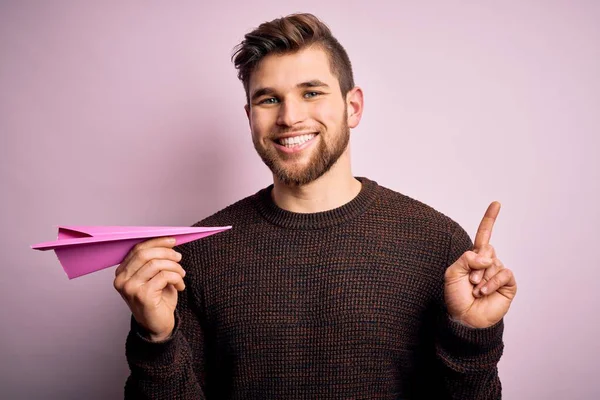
{"points": [[355, 105], [247, 109]]}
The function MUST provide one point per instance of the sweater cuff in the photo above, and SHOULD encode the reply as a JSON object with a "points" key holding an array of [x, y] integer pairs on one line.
{"points": [[470, 348], [141, 351]]}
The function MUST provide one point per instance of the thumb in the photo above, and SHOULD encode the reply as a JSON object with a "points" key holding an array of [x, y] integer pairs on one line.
{"points": [[468, 262]]}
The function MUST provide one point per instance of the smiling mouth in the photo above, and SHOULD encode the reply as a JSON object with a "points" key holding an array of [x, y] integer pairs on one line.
{"points": [[295, 141]]}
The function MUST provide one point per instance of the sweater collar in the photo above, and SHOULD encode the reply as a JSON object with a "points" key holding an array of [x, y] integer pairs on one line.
{"points": [[287, 219]]}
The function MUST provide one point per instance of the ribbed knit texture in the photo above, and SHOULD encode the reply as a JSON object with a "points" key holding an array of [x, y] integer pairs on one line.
{"points": [[342, 304]]}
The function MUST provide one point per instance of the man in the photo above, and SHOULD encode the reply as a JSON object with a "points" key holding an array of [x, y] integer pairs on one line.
{"points": [[328, 286]]}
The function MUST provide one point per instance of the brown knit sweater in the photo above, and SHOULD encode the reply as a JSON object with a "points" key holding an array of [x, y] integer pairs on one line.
{"points": [[342, 304]]}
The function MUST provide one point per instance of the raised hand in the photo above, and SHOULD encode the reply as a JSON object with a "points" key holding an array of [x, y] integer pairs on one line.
{"points": [[478, 289], [148, 280]]}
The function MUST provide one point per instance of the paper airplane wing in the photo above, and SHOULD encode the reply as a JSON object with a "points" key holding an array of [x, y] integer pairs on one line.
{"points": [[85, 249]]}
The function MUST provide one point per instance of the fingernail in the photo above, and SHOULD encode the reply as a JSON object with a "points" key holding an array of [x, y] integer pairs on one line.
{"points": [[179, 256], [476, 292], [484, 289], [172, 240]]}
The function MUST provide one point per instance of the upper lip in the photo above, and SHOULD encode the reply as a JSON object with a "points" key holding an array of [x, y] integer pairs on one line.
{"points": [[295, 134]]}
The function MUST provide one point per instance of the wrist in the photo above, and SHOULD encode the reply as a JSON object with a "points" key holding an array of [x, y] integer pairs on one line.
{"points": [[460, 322], [151, 336], [159, 337], [473, 323]]}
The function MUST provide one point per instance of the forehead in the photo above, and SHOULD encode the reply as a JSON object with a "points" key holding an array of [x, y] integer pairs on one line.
{"points": [[285, 71]]}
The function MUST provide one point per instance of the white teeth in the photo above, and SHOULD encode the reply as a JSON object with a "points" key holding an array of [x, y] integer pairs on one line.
{"points": [[296, 140]]}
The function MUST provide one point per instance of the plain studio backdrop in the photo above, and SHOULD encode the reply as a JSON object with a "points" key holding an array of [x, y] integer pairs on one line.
{"points": [[130, 113]]}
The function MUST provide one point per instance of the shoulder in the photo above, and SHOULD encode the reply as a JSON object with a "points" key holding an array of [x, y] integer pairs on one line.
{"points": [[422, 225], [414, 213]]}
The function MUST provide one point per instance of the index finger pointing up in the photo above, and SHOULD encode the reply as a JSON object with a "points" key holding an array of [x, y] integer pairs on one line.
{"points": [[484, 232]]}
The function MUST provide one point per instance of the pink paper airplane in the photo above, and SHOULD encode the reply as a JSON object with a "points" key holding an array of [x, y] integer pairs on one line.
{"points": [[85, 249]]}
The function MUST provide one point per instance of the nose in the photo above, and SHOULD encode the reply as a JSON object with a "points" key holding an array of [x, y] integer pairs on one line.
{"points": [[290, 113]]}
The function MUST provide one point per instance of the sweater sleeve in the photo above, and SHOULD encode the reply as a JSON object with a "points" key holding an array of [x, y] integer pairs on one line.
{"points": [[469, 356], [174, 368]]}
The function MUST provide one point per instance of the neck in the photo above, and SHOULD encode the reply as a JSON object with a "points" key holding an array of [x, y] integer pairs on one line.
{"points": [[332, 190]]}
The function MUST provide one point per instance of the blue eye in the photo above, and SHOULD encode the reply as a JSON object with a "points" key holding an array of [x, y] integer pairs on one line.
{"points": [[270, 100], [311, 94]]}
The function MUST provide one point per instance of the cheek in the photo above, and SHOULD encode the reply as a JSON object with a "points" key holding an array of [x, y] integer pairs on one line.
{"points": [[329, 115], [260, 122]]}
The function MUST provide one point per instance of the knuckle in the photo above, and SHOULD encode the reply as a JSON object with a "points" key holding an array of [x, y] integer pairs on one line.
{"points": [[118, 284], [495, 280], [448, 273], [142, 254], [128, 289], [447, 276], [162, 275], [468, 255], [135, 256], [153, 264]]}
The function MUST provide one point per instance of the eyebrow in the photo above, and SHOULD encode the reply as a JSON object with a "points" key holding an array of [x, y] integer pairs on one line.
{"points": [[309, 84]]}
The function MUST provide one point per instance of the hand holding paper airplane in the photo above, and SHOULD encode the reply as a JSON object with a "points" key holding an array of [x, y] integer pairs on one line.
{"points": [[148, 276], [148, 280]]}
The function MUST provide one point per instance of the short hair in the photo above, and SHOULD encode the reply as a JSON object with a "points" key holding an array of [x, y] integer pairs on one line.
{"points": [[288, 35]]}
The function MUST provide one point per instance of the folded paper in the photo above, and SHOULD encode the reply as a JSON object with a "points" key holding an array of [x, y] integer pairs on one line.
{"points": [[85, 249]]}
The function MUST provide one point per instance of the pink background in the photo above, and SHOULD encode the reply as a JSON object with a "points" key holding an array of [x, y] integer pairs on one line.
{"points": [[131, 114]]}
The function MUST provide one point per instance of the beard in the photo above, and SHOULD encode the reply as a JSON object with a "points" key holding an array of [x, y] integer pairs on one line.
{"points": [[321, 160]]}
